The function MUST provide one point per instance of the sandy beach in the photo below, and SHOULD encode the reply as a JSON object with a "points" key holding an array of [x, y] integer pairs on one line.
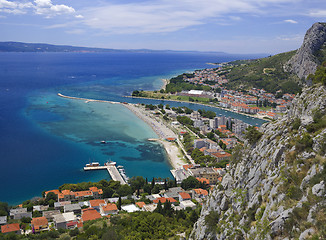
{"points": [[174, 153], [165, 82]]}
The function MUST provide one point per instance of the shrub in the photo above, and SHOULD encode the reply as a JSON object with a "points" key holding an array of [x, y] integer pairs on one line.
{"points": [[253, 135], [296, 124], [211, 220], [305, 143]]}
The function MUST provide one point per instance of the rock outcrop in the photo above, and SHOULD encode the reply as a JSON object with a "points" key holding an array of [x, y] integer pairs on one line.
{"points": [[275, 188], [305, 62]]}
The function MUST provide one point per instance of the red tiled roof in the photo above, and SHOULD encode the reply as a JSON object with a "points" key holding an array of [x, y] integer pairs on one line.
{"points": [[39, 221], [171, 200], [90, 214], [140, 204], [203, 180], [14, 227], [201, 191], [184, 195], [110, 207], [55, 191], [161, 199], [221, 155], [186, 167], [96, 202], [83, 193]]}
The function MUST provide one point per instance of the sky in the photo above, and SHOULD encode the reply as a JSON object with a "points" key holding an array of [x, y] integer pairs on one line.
{"points": [[232, 26]]}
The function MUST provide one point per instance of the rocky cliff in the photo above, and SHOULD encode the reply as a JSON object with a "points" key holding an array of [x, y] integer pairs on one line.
{"points": [[275, 188], [305, 61]]}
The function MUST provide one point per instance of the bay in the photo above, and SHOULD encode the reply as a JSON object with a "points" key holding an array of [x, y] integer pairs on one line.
{"points": [[46, 140]]}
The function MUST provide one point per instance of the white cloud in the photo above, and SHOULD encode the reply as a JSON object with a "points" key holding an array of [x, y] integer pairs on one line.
{"points": [[317, 13], [170, 15], [40, 7], [290, 21], [46, 7], [14, 7]]}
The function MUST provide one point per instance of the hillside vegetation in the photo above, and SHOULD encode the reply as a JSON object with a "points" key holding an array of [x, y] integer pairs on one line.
{"points": [[266, 73]]}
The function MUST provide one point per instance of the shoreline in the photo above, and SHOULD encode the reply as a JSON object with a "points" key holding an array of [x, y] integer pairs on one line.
{"points": [[165, 82], [162, 131], [159, 128], [226, 109]]}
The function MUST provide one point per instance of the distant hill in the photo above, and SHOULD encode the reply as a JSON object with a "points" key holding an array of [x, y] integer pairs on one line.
{"points": [[286, 71], [42, 47], [267, 73]]}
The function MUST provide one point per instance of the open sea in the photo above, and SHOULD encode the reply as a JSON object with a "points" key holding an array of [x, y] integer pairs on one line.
{"points": [[45, 140]]}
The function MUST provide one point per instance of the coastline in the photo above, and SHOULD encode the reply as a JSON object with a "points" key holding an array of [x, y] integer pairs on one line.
{"points": [[162, 131], [226, 109], [165, 82], [158, 127]]}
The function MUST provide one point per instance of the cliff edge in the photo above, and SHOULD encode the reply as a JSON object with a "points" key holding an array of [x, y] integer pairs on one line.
{"points": [[305, 61]]}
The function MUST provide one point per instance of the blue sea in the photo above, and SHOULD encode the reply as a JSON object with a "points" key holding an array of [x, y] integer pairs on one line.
{"points": [[46, 140]]}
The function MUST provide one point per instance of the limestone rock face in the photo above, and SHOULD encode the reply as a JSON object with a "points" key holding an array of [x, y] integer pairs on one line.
{"points": [[273, 190], [304, 62]]}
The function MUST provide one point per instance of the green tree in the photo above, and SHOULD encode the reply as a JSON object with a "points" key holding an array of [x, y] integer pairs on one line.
{"points": [[253, 135], [119, 203], [189, 183]]}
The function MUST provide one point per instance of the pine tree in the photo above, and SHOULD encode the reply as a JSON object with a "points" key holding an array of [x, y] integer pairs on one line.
{"points": [[119, 203]]}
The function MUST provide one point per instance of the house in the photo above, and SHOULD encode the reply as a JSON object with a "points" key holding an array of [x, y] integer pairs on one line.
{"points": [[183, 196], [39, 224], [149, 207], [60, 205], [66, 195], [208, 173], [55, 191], [3, 220], [9, 228], [140, 204], [96, 203], [65, 220], [110, 208], [199, 193], [90, 214], [203, 180], [49, 214], [81, 195], [221, 155], [97, 193], [19, 213], [130, 208], [40, 208], [174, 192], [75, 208], [187, 204]]}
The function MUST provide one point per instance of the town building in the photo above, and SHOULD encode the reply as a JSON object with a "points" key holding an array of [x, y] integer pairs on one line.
{"points": [[39, 224], [89, 214], [3, 220], [110, 208], [187, 204], [11, 228], [19, 213], [75, 208], [49, 214]]}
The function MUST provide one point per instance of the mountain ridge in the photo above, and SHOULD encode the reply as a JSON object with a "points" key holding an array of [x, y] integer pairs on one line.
{"points": [[11, 46]]}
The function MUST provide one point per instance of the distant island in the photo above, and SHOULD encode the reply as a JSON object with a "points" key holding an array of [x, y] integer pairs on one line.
{"points": [[43, 47]]}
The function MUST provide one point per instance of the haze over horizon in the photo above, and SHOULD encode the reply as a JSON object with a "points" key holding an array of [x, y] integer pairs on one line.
{"points": [[253, 26]]}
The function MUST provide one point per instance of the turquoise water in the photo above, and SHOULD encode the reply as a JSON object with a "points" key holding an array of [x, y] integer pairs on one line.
{"points": [[46, 140]]}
